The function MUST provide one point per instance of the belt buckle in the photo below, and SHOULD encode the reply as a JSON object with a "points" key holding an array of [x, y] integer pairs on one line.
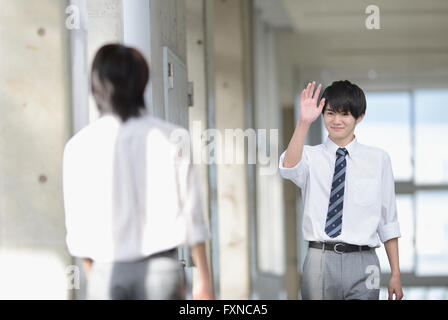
{"points": [[336, 246]]}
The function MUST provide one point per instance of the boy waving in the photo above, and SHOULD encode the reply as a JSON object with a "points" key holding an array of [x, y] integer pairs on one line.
{"points": [[349, 199]]}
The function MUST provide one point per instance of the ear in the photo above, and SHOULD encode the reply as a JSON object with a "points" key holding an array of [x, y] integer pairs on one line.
{"points": [[97, 86], [360, 118], [108, 90]]}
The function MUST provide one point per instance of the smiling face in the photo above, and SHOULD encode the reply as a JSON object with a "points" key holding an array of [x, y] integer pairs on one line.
{"points": [[340, 125]]}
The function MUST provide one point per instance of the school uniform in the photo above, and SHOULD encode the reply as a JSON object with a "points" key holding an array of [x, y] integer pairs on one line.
{"points": [[349, 208], [130, 200]]}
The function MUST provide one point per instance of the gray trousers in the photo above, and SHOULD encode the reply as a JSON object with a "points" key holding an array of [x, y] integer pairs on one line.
{"points": [[154, 278], [328, 275]]}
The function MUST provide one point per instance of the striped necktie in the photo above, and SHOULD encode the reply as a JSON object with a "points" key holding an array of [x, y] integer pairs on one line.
{"points": [[333, 223]]}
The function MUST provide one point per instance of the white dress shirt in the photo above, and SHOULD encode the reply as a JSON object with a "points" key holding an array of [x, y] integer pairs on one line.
{"points": [[126, 194], [369, 213]]}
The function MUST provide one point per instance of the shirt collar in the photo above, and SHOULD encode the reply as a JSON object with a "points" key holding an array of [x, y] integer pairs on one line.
{"points": [[333, 147]]}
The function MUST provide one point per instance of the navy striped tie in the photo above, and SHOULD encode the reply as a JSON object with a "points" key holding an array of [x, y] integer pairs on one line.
{"points": [[333, 224]]}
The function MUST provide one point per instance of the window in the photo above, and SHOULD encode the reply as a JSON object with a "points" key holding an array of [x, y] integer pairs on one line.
{"points": [[431, 127], [387, 125], [432, 233]]}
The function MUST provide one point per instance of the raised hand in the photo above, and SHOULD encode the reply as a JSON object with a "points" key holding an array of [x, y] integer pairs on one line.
{"points": [[309, 110]]}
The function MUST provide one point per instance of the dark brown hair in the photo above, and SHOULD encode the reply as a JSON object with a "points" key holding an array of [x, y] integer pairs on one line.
{"points": [[128, 72], [344, 96]]}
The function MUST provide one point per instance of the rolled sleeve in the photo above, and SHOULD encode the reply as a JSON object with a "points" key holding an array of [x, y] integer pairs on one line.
{"points": [[389, 227], [197, 230], [389, 231], [297, 174]]}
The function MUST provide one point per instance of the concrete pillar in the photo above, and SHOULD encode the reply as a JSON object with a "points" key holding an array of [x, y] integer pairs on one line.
{"points": [[35, 122], [201, 74], [76, 22], [270, 210], [268, 116], [288, 94], [137, 34], [105, 25], [232, 182], [292, 279]]}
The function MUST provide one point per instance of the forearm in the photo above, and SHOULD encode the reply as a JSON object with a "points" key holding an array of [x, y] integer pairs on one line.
{"points": [[202, 286], [87, 265], [199, 256], [392, 254], [295, 148]]}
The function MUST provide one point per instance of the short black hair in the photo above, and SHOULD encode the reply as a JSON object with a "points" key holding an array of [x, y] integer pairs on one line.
{"points": [[127, 71], [344, 96]]}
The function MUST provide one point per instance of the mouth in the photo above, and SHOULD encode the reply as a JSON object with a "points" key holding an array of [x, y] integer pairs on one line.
{"points": [[337, 128]]}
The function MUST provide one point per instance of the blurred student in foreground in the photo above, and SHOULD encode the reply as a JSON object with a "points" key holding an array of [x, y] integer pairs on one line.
{"points": [[131, 197]]}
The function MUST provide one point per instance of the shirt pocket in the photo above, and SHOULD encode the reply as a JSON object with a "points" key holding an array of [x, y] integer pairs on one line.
{"points": [[366, 192]]}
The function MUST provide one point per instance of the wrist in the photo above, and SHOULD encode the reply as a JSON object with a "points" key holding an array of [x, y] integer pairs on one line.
{"points": [[203, 275], [204, 280], [305, 123], [395, 274]]}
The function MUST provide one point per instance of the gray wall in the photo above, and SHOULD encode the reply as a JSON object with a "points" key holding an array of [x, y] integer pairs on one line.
{"points": [[34, 125]]}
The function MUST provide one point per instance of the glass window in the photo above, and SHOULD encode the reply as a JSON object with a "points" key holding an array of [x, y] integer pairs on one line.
{"points": [[432, 233], [386, 125], [406, 242], [431, 163]]}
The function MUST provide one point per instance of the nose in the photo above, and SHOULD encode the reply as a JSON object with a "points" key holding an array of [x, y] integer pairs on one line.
{"points": [[337, 118]]}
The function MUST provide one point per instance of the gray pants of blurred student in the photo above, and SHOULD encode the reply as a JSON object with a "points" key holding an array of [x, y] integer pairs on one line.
{"points": [[328, 275], [155, 278]]}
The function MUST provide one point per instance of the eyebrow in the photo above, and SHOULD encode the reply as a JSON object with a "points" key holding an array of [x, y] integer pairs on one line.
{"points": [[332, 110]]}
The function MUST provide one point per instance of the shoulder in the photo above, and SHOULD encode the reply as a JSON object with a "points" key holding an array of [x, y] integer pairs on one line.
{"points": [[152, 123], [374, 152], [313, 150], [154, 127], [157, 134], [104, 127]]}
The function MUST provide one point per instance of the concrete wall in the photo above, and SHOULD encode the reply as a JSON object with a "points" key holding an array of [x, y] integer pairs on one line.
{"points": [[34, 125], [105, 25], [232, 183], [290, 193], [270, 214], [199, 20]]}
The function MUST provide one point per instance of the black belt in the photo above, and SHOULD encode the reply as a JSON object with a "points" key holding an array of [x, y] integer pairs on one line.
{"points": [[168, 253], [171, 253], [338, 247]]}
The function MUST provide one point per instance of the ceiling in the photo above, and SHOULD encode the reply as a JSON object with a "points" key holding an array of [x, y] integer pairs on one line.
{"points": [[328, 40]]}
